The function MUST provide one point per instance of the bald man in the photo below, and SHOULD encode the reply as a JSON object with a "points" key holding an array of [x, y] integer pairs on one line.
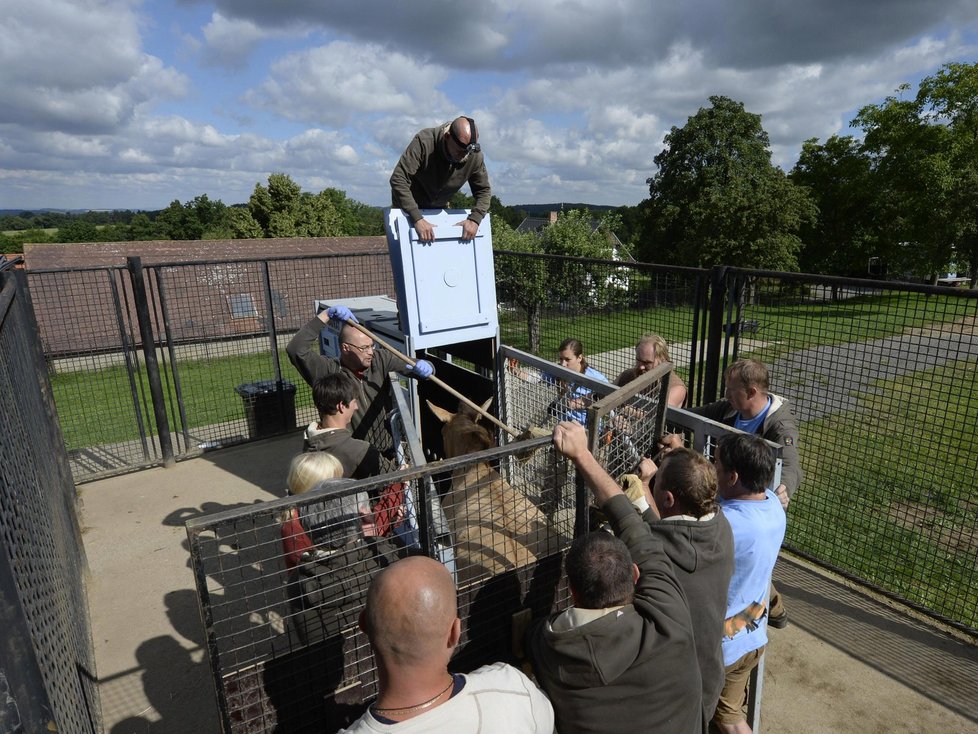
{"points": [[411, 618], [370, 368], [650, 352], [435, 165]]}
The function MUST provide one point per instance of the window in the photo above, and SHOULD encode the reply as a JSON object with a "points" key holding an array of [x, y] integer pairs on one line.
{"points": [[242, 306]]}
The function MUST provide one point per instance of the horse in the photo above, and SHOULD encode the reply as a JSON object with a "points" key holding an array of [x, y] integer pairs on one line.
{"points": [[496, 528]]}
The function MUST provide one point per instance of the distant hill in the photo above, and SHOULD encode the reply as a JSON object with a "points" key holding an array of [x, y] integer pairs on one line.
{"points": [[539, 210], [18, 212]]}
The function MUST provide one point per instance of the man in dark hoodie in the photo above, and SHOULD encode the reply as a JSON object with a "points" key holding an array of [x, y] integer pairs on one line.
{"points": [[623, 656], [336, 399], [683, 512]]}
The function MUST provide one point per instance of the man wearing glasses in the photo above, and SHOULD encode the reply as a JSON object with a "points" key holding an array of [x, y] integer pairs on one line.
{"points": [[436, 164], [358, 357]]}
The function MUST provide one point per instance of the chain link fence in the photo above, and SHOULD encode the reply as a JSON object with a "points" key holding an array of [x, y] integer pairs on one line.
{"points": [[607, 305], [285, 648], [167, 361]]}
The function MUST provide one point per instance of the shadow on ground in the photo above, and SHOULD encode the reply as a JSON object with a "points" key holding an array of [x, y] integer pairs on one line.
{"points": [[923, 658]]}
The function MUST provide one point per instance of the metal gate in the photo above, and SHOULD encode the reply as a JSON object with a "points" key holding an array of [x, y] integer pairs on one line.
{"points": [[157, 363], [46, 656]]}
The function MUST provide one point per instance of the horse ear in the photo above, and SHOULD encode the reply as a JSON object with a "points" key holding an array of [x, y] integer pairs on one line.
{"points": [[443, 415]]}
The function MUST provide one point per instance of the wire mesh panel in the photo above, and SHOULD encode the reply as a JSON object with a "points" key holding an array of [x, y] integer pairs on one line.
{"points": [[284, 645], [46, 653], [625, 426], [883, 379], [227, 325], [534, 392], [89, 336], [221, 379], [607, 305], [296, 284]]}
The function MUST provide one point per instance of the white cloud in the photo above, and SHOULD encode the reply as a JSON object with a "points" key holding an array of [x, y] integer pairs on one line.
{"points": [[77, 67], [228, 42], [573, 99], [331, 84]]}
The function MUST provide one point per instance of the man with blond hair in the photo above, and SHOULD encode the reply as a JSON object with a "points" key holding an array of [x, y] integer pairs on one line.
{"points": [[411, 619], [650, 352]]}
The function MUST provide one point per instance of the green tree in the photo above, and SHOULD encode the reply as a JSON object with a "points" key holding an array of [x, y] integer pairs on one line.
{"points": [[951, 97], [241, 225], [283, 210], [523, 281], [536, 283], [838, 176], [15, 242], [717, 199], [370, 220], [195, 220], [143, 228], [912, 171], [78, 230]]}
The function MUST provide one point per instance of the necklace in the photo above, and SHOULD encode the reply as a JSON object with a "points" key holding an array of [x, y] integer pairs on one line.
{"points": [[421, 706]]}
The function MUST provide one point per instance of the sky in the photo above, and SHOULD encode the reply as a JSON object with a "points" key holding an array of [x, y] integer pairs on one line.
{"points": [[122, 104]]}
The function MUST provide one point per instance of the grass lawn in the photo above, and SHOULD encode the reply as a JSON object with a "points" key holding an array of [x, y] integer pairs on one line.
{"points": [[96, 407], [890, 490], [792, 327]]}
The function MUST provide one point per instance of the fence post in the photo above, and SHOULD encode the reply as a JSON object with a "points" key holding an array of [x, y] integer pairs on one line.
{"points": [[135, 266], [714, 334], [273, 345]]}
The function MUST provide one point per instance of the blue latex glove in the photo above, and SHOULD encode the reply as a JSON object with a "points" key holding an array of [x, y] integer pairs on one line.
{"points": [[341, 313], [423, 369]]}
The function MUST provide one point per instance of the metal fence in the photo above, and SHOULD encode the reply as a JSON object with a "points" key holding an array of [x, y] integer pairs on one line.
{"points": [[46, 655], [881, 375], [607, 305], [159, 362], [285, 648], [883, 379]]}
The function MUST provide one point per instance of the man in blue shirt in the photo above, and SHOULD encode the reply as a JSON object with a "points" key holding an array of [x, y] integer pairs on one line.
{"points": [[745, 466]]}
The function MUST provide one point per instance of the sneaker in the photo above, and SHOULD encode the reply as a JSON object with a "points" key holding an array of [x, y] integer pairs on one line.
{"points": [[779, 622]]}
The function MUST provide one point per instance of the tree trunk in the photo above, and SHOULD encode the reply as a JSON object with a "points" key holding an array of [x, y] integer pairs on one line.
{"points": [[533, 326]]}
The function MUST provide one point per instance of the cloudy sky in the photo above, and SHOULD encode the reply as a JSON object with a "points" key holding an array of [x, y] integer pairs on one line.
{"points": [[128, 104]]}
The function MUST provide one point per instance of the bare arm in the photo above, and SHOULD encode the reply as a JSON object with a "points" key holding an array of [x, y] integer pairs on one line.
{"points": [[570, 439]]}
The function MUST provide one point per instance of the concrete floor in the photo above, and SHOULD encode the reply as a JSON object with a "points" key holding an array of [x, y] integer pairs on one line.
{"points": [[847, 662]]}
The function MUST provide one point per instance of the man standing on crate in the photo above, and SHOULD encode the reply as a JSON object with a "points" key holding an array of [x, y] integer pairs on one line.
{"points": [[436, 164], [358, 358]]}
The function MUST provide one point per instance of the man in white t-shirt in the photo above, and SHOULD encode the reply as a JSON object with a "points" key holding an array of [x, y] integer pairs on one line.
{"points": [[411, 618]]}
